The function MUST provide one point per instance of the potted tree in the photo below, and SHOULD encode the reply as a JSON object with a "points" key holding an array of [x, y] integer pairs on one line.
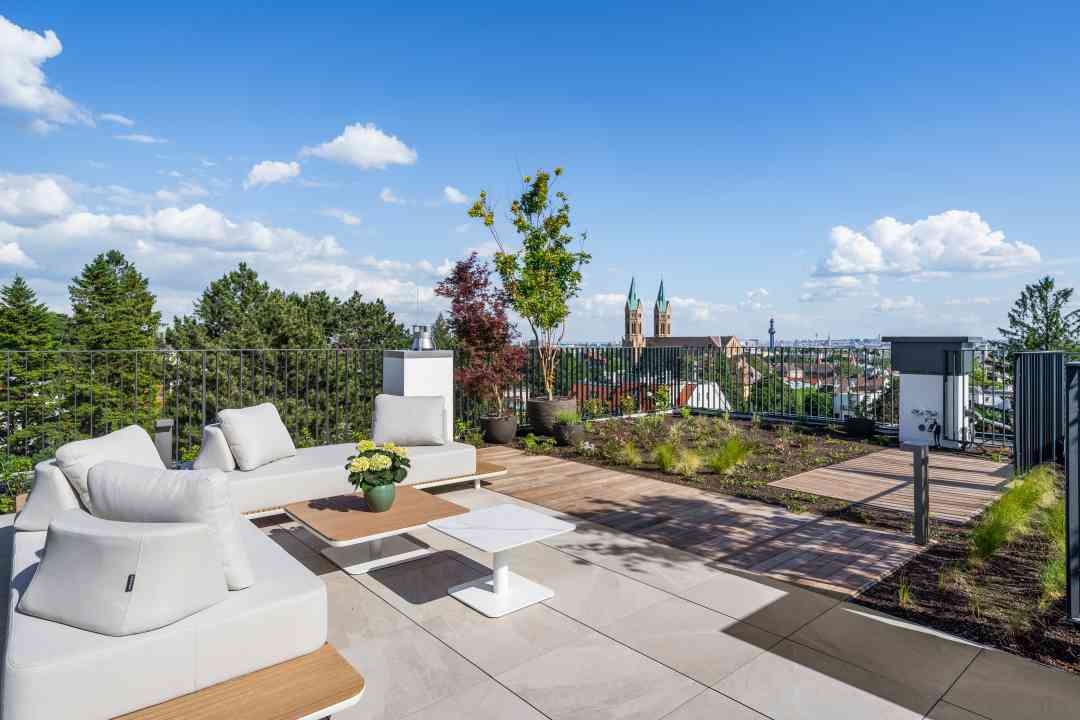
{"points": [[540, 278], [488, 359]]}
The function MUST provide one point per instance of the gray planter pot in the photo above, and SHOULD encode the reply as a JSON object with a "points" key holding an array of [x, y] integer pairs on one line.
{"points": [[542, 412], [499, 430], [860, 427], [570, 435]]}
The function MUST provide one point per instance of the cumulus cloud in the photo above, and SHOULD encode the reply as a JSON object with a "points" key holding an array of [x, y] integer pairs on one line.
{"points": [[976, 300], [23, 85], [186, 188], [344, 216], [897, 304], [269, 172], [455, 196], [838, 287], [32, 197], [952, 241], [389, 197], [12, 254], [117, 119], [364, 146], [756, 299], [42, 127], [141, 139]]}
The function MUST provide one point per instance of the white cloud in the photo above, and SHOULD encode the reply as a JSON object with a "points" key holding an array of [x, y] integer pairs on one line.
{"points": [[898, 304], [23, 85], [42, 127], [207, 163], [484, 249], [978, 300], [444, 267], [364, 146], [269, 172], [117, 119], [838, 287], [390, 198], [32, 197], [756, 299], [952, 241], [12, 254], [455, 196], [700, 310], [186, 188], [344, 216], [141, 139]]}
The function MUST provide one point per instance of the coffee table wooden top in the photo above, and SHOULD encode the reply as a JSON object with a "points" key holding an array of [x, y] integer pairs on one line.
{"points": [[345, 519]]}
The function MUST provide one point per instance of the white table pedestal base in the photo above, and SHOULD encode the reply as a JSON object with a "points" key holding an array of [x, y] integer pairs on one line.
{"points": [[503, 592], [374, 554]]}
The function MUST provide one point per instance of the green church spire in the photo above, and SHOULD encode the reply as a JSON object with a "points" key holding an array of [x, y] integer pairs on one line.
{"points": [[632, 301], [661, 299]]}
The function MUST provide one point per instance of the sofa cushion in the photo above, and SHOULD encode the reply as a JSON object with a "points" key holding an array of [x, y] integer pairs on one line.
{"points": [[256, 435], [214, 453], [58, 671], [409, 421], [440, 462], [311, 473], [130, 445], [131, 493], [121, 578], [50, 495]]}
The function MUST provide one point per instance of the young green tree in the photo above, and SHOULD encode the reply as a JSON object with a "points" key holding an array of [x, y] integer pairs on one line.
{"points": [[1040, 319], [442, 335], [544, 274], [28, 330], [113, 314]]}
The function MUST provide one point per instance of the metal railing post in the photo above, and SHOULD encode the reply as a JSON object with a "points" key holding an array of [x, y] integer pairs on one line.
{"points": [[1072, 491], [920, 461]]}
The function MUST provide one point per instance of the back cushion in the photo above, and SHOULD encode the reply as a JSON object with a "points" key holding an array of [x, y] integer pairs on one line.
{"points": [[130, 493], [128, 445], [117, 578], [409, 421], [214, 454], [256, 435]]}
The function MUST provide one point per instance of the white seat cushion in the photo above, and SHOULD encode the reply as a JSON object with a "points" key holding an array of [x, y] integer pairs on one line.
{"points": [[256, 435], [440, 462], [129, 445], [50, 495], [131, 493], [123, 578], [409, 421], [311, 473], [214, 453], [56, 671]]}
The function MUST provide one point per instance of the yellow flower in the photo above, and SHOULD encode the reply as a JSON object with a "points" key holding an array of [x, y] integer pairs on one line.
{"points": [[381, 462], [365, 445], [389, 447], [360, 465], [401, 452]]}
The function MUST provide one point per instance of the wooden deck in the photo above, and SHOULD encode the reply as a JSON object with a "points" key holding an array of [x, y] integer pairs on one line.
{"points": [[960, 486], [825, 554]]}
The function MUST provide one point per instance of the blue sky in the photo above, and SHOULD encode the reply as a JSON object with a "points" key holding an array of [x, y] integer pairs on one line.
{"points": [[848, 170]]}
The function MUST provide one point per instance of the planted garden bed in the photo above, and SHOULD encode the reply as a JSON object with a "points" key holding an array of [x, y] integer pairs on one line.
{"points": [[998, 581]]}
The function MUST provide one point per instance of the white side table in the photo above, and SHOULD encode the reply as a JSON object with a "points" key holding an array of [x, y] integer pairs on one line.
{"points": [[498, 530]]}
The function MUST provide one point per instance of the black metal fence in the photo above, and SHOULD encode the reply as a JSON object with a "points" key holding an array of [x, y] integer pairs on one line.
{"points": [[326, 395]]}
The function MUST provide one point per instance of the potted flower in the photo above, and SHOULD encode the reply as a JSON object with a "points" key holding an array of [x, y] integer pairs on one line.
{"points": [[569, 430], [488, 358], [540, 278], [376, 469]]}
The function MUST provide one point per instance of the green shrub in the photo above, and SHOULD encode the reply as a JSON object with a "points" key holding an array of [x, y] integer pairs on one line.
{"points": [[684, 412], [568, 417], [15, 479], [649, 430], [730, 455], [687, 463], [629, 454], [538, 445], [189, 454], [628, 404], [1053, 574], [665, 455], [1010, 515], [662, 397], [594, 408]]}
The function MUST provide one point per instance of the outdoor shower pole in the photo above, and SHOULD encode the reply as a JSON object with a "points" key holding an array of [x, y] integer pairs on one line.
{"points": [[920, 461]]}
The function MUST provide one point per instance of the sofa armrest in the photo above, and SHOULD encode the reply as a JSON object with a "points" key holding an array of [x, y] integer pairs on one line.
{"points": [[50, 495], [119, 578]]}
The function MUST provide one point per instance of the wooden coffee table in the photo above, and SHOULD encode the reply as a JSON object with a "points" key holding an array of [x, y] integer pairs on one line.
{"points": [[360, 540]]}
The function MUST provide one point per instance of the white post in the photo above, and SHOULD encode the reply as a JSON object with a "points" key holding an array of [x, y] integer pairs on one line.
{"points": [[501, 572], [422, 373]]}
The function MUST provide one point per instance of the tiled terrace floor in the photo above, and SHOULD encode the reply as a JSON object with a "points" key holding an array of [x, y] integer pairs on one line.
{"points": [[960, 486], [824, 554], [644, 631]]}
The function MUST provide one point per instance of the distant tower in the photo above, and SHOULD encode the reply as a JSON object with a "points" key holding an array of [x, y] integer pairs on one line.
{"points": [[661, 314], [772, 334], [635, 319]]}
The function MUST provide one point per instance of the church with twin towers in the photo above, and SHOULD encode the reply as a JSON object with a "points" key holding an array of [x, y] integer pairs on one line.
{"points": [[634, 330]]}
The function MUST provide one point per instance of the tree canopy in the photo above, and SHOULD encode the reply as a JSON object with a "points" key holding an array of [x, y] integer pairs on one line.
{"points": [[1040, 319]]}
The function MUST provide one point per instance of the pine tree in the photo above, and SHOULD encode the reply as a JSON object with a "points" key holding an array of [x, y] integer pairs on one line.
{"points": [[442, 334], [28, 330], [113, 314], [1038, 319]]}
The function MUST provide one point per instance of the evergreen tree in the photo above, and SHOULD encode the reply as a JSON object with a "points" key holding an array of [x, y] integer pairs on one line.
{"points": [[1038, 320], [443, 335], [113, 314], [29, 405], [369, 324]]}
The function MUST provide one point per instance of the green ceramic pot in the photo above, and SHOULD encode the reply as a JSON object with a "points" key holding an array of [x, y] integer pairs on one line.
{"points": [[381, 498]]}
